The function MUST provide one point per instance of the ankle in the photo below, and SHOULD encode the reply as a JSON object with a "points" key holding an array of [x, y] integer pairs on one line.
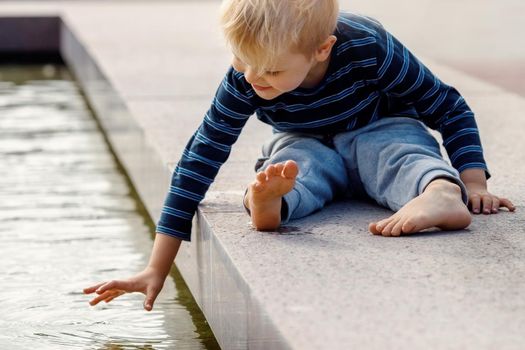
{"points": [[442, 183]]}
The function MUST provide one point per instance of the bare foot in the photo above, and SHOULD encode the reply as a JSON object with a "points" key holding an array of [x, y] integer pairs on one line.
{"points": [[440, 205], [265, 194]]}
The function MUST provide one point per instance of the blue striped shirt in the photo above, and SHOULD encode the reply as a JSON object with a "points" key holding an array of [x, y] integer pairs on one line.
{"points": [[371, 75]]}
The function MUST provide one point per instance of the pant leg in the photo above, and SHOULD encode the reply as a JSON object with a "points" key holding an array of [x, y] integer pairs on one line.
{"points": [[395, 158], [321, 176]]}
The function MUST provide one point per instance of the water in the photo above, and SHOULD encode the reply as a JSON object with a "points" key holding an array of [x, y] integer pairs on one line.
{"points": [[68, 219]]}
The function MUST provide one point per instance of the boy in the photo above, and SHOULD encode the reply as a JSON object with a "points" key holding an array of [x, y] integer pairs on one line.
{"points": [[347, 103]]}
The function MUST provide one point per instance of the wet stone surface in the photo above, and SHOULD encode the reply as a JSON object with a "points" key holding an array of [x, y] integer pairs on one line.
{"points": [[68, 220]]}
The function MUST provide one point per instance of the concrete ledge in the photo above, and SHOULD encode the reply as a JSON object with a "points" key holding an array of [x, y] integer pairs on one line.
{"points": [[236, 318], [322, 282]]}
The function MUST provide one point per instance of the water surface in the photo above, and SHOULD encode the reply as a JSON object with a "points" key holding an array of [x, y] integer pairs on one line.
{"points": [[68, 219]]}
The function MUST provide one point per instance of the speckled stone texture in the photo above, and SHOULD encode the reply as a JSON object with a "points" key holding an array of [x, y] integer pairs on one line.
{"points": [[323, 282]]}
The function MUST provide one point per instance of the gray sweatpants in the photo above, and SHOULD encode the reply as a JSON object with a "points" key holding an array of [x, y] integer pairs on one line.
{"points": [[391, 160]]}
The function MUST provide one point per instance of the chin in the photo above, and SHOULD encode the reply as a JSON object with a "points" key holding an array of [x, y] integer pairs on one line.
{"points": [[268, 98], [269, 95]]}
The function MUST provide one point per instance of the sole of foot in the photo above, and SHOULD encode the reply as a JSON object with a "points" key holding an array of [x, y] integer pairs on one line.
{"points": [[264, 197]]}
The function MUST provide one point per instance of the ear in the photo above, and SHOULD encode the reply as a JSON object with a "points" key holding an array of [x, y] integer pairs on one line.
{"points": [[323, 51]]}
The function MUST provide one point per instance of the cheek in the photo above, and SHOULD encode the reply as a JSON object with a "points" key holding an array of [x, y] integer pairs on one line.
{"points": [[237, 66], [288, 83]]}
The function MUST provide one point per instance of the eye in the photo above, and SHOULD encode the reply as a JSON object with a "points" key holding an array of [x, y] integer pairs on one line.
{"points": [[273, 73]]}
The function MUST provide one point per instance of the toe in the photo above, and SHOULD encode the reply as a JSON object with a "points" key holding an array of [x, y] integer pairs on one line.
{"points": [[387, 231], [261, 177], [270, 170], [409, 226], [279, 168], [380, 225], [397, 230], [373, 229], [257, 187], [290, 169]]}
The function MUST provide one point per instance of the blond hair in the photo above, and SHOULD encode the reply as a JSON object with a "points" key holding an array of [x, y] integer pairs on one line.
{"points": [[259, 31]]}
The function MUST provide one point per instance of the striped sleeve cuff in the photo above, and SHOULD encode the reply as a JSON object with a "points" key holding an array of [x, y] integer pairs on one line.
{"points": [[475, 165], [173, 233]]}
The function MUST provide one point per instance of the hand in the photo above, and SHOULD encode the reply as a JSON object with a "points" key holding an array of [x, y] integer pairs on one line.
{"points": [[148, 282], [481, 200]]}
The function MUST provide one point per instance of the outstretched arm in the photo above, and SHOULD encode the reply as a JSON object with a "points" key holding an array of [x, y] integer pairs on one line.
{"points": [[480, 199], [149, 282], [202, 158]]}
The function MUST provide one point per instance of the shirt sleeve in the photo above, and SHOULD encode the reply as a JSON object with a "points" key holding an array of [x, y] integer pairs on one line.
{"points": [[403, 78], [204, 154]]}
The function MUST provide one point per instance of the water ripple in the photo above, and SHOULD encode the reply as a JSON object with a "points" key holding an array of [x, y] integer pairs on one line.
{"points": [[67, 220]]}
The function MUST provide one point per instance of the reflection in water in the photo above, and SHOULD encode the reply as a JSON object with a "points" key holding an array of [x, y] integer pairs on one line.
{"points": [[68, 219]]}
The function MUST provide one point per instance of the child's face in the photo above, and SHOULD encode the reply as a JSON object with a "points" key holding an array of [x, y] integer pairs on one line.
{"points": [[291, 71]]}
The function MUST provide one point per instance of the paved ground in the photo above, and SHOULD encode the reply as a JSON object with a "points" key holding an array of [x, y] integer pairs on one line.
{"points": [[324, 282], [480, 37]]}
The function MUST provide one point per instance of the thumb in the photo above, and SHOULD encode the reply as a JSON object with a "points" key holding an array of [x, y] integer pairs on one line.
{"points": [[151, 295]]}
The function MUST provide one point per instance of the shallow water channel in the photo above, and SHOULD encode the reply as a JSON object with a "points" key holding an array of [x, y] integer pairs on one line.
{"points": [[68, 219]]}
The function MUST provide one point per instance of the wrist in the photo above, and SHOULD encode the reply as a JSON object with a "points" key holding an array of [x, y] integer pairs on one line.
{"points": [[473, 177], [155, 270], [163, 254]]}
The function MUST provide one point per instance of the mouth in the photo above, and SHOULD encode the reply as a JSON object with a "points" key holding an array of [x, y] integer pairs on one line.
{"points": [[261, 88]]}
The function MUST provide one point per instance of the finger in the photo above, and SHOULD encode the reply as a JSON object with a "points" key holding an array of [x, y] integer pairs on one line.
{"points": [[110, 295], [123, 285], [504, 202], [151, 296], [475, 203], [101, 297], [495, 205], [487, 204], [116, 295], [91, 289]]}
